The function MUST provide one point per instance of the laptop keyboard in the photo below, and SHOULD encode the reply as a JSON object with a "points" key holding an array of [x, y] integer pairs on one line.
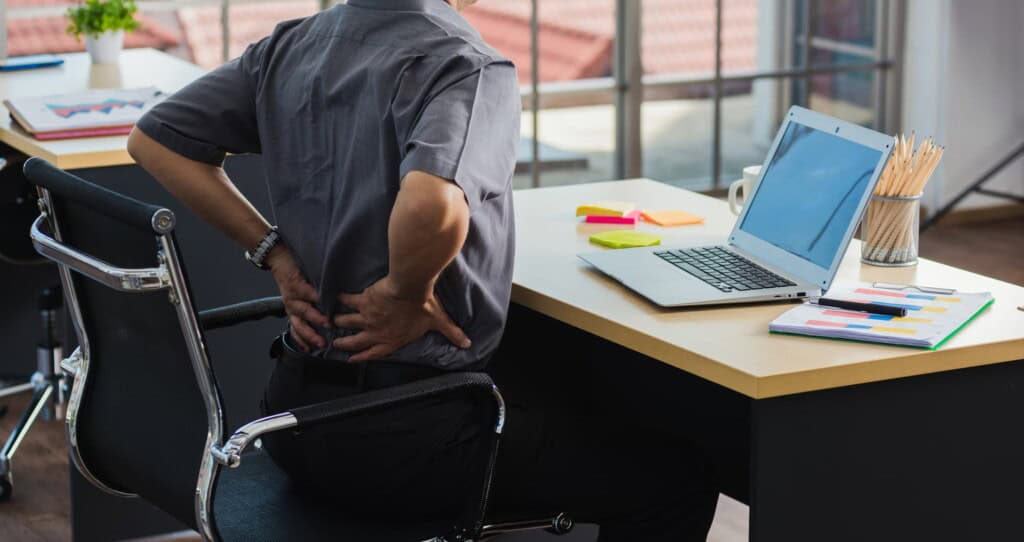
{"points": [[723, 269]]}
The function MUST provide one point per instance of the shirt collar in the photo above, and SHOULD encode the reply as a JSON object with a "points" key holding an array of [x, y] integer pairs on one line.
{"points": [[438, 8], [400, 5]]}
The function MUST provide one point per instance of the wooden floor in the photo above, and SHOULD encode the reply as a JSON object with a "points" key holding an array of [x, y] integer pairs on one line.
{"points": [[994, 249], [39, 510]]}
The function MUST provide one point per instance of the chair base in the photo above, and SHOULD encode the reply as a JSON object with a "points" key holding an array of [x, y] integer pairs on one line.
{"points": [[42, 389], [46, 386]]}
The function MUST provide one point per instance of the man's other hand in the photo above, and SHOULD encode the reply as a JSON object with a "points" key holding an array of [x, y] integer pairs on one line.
{"points": [[300, 299], [387, 321]]}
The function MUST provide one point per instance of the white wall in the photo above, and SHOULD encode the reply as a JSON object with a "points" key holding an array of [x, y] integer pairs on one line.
{"points": [[770, 42], [964, 83]]}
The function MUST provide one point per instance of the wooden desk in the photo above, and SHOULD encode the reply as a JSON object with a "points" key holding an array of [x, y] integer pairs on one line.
{"points": [[826, 440], [731, 346], [138, 68]]}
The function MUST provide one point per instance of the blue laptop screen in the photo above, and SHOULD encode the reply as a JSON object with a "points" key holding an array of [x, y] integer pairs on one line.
{"points": [[808, 195]]}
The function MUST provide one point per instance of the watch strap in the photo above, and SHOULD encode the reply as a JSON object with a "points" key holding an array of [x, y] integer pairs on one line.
{"points": [[258, 255]]}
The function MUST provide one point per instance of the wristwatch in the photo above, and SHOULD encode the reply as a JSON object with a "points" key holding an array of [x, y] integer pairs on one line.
{"points": [[258, 255]]}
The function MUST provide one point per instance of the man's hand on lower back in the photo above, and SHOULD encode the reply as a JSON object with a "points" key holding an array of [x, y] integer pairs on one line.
{"points": [[300, 299], [388, 321]]}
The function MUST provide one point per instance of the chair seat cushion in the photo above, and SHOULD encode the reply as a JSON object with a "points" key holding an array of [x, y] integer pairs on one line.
{"points": [[257, 501]]}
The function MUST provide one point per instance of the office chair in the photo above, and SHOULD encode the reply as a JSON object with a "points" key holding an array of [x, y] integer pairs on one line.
{"points": [[144, 415]]}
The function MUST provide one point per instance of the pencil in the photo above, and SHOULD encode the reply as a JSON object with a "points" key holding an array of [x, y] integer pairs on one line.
{"points": [[888, 225]]}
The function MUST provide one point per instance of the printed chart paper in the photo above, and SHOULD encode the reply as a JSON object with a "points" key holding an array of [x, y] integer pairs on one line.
{"points": [[930, 319], [82, 110]]}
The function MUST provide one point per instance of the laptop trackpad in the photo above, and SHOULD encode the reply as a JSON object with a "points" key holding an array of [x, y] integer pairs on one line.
{"points": [[654, 278]]}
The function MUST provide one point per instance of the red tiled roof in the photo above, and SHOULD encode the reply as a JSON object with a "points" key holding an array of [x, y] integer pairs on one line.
{"points": [[248, 23], [568, 53], [565, 52], [38, 3], [575, 36], [48, 34], [678, 35]]}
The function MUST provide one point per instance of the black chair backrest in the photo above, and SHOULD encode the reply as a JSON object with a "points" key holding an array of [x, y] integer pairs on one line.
{"points": [[142, 422]]}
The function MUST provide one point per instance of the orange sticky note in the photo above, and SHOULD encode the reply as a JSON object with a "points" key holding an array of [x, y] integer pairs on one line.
{"points": [[671, 218]]}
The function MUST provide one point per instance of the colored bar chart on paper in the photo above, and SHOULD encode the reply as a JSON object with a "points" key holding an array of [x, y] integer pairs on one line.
{"points": [[930, 321]]}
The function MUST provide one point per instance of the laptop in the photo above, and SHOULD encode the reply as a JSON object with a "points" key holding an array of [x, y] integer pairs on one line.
{"points": [[790, 237]]}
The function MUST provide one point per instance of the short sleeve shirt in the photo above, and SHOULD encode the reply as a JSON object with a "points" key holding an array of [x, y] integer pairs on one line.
{"points": [[342, 105]]}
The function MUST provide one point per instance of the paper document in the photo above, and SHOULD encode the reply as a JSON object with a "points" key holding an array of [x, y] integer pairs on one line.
{"points": [[91, 109], [930, 319]]}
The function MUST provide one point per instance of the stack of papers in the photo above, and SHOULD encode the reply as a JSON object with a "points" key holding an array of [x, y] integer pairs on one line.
{"points": [[82, 114], [931, 318]]}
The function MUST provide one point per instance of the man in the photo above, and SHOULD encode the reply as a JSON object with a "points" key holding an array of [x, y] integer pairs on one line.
{"points": [[388, 130]]}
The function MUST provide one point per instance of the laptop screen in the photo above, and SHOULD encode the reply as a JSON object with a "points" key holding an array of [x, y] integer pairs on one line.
{"points": [[810, 192]]}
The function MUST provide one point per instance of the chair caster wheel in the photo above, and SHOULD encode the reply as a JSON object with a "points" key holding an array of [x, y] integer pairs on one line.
{"points": [[5, 487]]}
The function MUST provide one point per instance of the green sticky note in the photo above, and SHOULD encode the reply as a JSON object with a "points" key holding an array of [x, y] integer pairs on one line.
{"points": [[625, 239]]}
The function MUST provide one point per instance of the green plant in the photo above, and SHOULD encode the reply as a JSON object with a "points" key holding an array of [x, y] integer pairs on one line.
{"points": [[94, 17]]}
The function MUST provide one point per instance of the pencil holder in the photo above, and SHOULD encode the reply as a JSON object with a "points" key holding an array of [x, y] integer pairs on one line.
{"points": [[889, 231]]}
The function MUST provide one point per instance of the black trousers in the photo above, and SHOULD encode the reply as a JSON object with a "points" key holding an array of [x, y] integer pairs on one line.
{"points": [[556, 455], [415, 462]]}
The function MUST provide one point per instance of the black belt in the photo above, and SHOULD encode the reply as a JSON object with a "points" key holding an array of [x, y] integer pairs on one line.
{"points": [[364, 375]]}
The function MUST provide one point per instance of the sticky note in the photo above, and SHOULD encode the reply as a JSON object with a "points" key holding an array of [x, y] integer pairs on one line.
{"points": [[605, 208], [671, 218], [625, 239], [628, 218]]}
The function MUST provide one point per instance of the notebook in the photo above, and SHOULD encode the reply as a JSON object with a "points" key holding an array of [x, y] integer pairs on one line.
{"points": [[930, 321], [92, 112]]}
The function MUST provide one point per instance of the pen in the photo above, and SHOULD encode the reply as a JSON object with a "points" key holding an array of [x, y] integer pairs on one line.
{"points": [[923, 289], [874, 308]]}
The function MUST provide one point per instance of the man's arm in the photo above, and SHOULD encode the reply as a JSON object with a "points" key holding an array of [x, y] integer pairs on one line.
{"points": [[460, 151], [208, 192], [428, 226], [203, 188]]}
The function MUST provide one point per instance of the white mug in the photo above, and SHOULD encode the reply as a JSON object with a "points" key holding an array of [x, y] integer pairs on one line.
{"points": [[750, 174]]}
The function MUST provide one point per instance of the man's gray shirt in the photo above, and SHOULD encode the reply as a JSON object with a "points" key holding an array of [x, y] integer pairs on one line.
{"points": [[342, 105]]}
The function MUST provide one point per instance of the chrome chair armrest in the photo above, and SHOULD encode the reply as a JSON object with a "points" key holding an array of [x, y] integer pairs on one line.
{"points": [[230, 454], [246, 311], [558, 525], [125, 280]]}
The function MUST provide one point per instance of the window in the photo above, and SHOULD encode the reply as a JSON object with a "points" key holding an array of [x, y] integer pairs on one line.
{"points": [[687, 92], [191, 29], [575, 41], [693, 90]]}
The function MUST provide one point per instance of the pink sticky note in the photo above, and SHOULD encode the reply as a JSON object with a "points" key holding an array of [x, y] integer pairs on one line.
{"points": [[628, 218]]}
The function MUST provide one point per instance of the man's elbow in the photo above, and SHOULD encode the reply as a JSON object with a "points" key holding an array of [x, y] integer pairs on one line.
{"points": [[432, 195], [450, 202], [138, 142]]}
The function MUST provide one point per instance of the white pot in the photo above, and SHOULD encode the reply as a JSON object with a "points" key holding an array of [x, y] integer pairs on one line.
{"points": [[105, 48]]}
